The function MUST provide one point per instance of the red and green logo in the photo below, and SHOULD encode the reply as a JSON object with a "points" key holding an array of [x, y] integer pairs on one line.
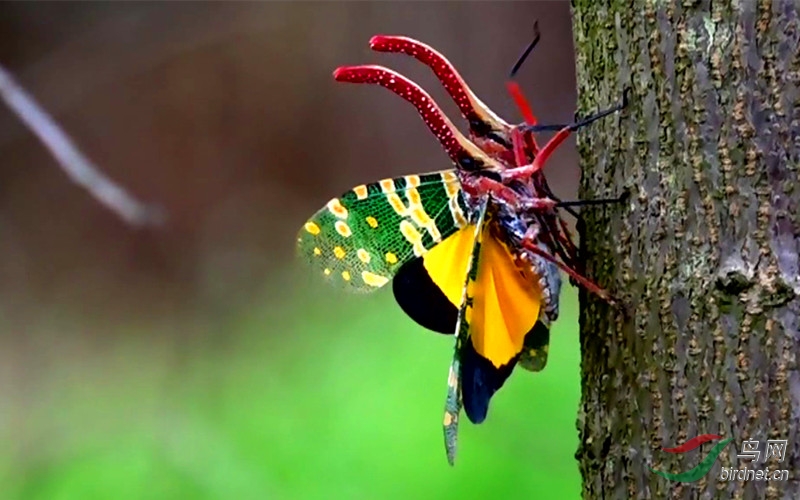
{"points": [[705, 464]]}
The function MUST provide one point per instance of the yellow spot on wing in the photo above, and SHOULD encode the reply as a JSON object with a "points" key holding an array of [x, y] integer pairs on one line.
{"points": [[363, 255], [458, 214], [343, 229], [412, 236], [327, 271], [396, 203], [373, 279], [317, 251], [336, 208], [361, 192], [339, 252], [391, 258], [452, 187], [413, 196], [412, 180], [372, 221], [312, 228], [346, 275], [451, 184], [422, 219], [414, 210], [452, 379], [387, 185]]}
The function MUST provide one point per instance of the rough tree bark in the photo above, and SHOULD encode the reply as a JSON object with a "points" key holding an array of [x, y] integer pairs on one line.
{"points": [[704, 253]]}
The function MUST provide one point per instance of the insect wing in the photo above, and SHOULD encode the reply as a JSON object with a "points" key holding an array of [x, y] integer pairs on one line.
{"points": [[361, 239]]}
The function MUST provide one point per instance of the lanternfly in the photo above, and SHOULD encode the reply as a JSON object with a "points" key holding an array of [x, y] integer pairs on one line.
{"points": [[473, 251]]}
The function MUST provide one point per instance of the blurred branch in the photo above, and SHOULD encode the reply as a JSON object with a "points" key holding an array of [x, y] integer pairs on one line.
{"points": [[77, 166]]}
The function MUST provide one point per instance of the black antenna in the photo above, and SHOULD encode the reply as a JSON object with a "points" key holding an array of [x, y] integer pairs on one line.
{"points": [[536, 37], [598, 201], [586, 121], [582, 203]]}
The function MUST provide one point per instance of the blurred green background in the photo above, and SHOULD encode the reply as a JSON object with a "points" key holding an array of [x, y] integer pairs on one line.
{"points": [[199, 360]]}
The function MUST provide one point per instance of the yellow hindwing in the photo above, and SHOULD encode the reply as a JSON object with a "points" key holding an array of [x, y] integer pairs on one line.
{"points": [[505, 304]]}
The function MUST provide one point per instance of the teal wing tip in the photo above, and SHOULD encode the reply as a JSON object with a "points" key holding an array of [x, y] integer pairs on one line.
{"points": [[451, 454], [450, 442]]}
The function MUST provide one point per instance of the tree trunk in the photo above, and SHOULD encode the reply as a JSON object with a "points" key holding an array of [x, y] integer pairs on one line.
{"points": [[703, 255]]}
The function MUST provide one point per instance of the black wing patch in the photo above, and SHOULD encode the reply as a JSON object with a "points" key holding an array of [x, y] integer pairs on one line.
{"points": [[423, 301], [480, 379]]}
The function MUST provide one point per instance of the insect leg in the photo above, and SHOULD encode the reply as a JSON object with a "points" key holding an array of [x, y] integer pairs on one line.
{"points": [[520, 155], [513, 87], [558, 139], [501, 191], [529, 242], [597, 201]]}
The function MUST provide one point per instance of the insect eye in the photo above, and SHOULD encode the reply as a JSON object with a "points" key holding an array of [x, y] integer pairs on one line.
{"points": [[469, 163], [499, 140], [480, 127], [491, 174]]}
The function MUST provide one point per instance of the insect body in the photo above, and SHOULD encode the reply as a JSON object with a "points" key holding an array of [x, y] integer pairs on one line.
{"points": [[473, 251]]}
